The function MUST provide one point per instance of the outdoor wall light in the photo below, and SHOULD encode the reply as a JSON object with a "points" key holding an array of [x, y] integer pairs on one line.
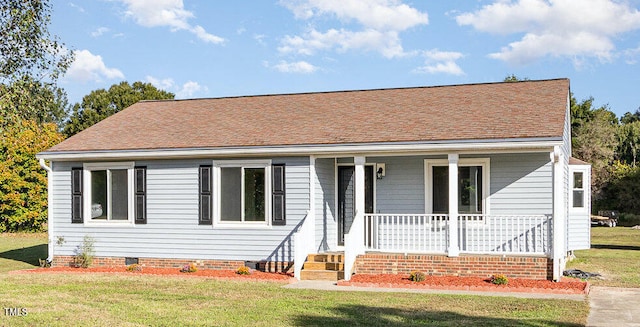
{"points": [[380, 170]]}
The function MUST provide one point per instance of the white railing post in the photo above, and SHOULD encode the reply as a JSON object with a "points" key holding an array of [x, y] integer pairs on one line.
{"points": [[454, 248], [303, 243], [354, 244]]}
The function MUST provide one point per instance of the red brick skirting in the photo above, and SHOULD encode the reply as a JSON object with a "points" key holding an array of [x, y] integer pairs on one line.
{"points": [[61, 260], [464, 265]]}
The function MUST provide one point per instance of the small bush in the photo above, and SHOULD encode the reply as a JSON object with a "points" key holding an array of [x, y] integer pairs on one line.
{"points": [[499, 279], [134, 267], [85, 253], [44, 263], [189, 268], [244, 270], [417, 276]]}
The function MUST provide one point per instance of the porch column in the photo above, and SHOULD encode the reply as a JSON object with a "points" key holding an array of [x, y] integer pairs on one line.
{"points": [[454, 249], [359, 184], [560, 208]]}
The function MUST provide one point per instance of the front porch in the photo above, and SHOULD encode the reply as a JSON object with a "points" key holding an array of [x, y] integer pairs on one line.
{"points": [[500, 221]]}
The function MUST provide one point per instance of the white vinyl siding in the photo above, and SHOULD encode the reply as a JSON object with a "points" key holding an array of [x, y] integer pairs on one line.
{"points": [[172, 229], [325, 213]]}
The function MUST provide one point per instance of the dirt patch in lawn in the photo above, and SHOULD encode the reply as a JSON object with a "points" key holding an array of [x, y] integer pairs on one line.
{"points": [[566, 286], [220, 274]]}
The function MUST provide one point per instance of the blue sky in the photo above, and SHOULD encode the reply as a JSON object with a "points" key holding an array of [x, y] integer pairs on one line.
{"points": [[202, 48]]}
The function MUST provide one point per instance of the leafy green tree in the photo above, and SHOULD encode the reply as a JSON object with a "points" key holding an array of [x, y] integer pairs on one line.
{"points": [[628, 117], [514, 78], [621, 191], [629, 142], [31, 60], [100, 104], [23, 185], [594, 139]]}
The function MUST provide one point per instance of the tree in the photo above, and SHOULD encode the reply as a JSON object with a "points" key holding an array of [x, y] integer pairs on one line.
{"points": [[629, 142], [31, 60], [514, 78], [23, 184], [594, 139], [100, 104]]}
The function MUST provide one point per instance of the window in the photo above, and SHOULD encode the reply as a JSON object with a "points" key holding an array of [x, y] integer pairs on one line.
{"points": [[244, 192], [578, 189], [472, 186], [109, 192]]}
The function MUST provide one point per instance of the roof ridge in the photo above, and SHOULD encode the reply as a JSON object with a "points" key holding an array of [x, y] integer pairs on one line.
{"points": [[359, 90]]}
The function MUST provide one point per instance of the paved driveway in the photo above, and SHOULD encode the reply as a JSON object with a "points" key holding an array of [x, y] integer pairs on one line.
{"points": [[613, 306]]}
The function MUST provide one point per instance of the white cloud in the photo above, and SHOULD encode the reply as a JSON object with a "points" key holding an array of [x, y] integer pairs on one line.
{"points": [[300, 67], [73, 5], [164, 84], [380, 23], [89, 67], [444, 62], [170, 13], [99, 32], [186, 90], [562, 28], [631, 55]]}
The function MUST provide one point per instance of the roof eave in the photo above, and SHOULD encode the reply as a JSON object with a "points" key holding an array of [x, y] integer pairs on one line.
{"points": [[459, 146]]}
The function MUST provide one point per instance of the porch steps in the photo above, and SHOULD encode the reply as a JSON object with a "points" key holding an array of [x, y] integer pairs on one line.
{"points": [[323, 266]]}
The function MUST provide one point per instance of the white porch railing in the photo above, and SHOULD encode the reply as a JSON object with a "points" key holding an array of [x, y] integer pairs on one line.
{"points": [[505, 234], [407, 233], [303, 243], [479, 234], [353, 244]]}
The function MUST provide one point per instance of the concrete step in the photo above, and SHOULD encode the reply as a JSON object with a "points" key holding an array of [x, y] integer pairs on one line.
{"points": [[321, 275], [311, 265], [326, 257]]}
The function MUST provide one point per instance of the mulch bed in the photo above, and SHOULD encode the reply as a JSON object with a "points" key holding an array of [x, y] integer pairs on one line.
{"points": [[566, 286], [219, 274]]}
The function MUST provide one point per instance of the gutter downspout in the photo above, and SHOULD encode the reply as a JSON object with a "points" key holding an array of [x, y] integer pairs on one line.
{"points": [[49, 208]]}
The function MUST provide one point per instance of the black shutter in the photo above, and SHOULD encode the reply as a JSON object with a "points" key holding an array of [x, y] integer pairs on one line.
{"points": [[76, 195], [140, 189], [278, 195], [205, 196]]}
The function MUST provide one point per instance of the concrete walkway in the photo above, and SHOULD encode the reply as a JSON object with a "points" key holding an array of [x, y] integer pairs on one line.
{"points": [[613, 306]]}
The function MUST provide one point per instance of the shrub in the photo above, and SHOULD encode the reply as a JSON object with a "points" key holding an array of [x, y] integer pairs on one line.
{"points": [[417, 276], [134, 267], [244, 270], [189, 268], [85, 253], [499, 279]]}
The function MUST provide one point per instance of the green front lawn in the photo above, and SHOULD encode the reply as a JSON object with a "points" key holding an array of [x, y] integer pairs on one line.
{"points": [[614, 253], [133, 300]]}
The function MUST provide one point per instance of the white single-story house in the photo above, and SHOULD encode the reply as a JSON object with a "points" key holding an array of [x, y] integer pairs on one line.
{"points": [[467, 180]]}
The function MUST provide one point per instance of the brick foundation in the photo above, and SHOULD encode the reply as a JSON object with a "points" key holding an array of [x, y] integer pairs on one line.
{"points": [[61, 260], [464, 265]]}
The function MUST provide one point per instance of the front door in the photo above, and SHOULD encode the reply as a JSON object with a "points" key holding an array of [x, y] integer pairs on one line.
{"points": [[346, 197]]}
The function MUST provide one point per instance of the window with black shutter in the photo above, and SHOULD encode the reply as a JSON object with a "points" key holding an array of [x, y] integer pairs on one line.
{"points": [[278, 196], [140, 190], [205, 196], [76, 195]]}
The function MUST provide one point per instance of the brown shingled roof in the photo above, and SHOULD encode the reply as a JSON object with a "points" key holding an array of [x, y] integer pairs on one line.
{"points": [[531, 109]]}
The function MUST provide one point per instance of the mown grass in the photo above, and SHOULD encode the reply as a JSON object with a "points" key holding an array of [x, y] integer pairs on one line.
{"points": [[55, 299], [614, 253]]}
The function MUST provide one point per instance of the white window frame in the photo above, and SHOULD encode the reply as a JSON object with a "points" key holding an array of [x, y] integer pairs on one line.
{"points": [[586, 182], [485, 163], [217, 188], [86, 190]]}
